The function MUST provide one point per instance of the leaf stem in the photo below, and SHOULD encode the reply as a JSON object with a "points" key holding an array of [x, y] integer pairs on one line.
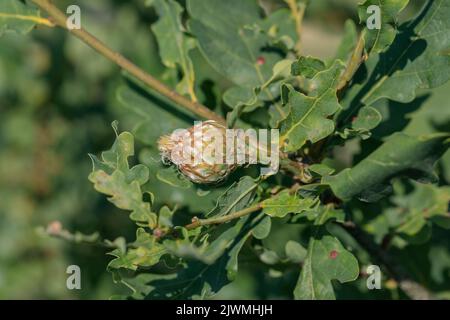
{"points": [[60, 19], [235, 215], [357, 58], [35, 19]]}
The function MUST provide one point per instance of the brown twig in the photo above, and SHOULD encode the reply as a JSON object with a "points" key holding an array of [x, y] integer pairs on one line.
{"points": [[60, 19], [235, 215], [410, 287], [357, 58]]}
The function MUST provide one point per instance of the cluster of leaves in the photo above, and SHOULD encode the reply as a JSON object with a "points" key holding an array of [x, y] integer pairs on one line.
{"points": [[244, 63], [49, 120]]}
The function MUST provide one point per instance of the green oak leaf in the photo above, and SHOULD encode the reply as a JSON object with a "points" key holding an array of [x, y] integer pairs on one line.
{"points": [[400, 155], [154, 117], [307, 67], [379, 39], [426, 204], [171, 176], [367, 119], [237, 197], [165, 218], [232, 47], [295, 252], [262, 230], [173, 190], [281, 29], [440, 263], [348, 42], [124, 195], [202, 280], [326, 213], [244, 100], [232, 42], [284, 203], [183, 247], [326, 260], [417, 59], [319, 215], [320, 169], [308, 117], [145, 252], [17, 16], [137, 284], [174, 43], [112, 176]]}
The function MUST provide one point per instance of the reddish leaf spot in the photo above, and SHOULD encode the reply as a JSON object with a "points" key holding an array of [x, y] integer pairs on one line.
{"points": [[354, 119], [260, 61], [157, 233], [333, 254]]}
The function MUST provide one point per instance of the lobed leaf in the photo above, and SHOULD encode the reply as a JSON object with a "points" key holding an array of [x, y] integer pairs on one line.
{"points": [[229, 36], [145, 252], [307, 67], [426, 204], [19, 17], [236, 198], [201, 280], [379, 39], [308, 116], [326, 260], [174, 43], [112, 176], [284, 203], [367, 119], [417, 59], [400, 155]]}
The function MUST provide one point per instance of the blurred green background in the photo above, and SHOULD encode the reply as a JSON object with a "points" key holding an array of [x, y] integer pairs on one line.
{"points": [[57, 100]]}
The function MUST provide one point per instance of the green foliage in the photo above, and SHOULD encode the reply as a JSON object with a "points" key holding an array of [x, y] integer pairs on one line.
{"points": [[367, 119], [400, 155], [285, 203], [417, 59], [379, 39], [113, 177], [326, 260], [174, 44], [307, 119], [16, 16], [363, 140]]}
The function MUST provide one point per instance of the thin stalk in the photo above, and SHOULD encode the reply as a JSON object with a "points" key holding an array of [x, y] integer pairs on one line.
{"points": [[60, 19], [223, 219], [357, 58], [35, 19]]}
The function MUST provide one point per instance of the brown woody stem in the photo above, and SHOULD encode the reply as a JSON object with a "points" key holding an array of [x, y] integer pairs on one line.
{"points": [[411, 288], [357, 58], [235, 215], [60, 19]]}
